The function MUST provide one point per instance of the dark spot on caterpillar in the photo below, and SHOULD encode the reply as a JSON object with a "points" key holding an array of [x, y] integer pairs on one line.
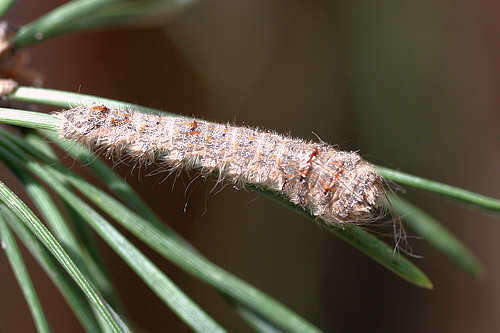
{"points": [[313, 155], [334, 179], [101, 108], [194, 126], [193, 132]]}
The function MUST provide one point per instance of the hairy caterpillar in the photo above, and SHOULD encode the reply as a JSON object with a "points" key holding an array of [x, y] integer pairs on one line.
{"points": [[337, 186]]}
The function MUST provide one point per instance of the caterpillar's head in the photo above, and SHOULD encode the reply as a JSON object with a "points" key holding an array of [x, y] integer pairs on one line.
{"points": [[351, 188]]}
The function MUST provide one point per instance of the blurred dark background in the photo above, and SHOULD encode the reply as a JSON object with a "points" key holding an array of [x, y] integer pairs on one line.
{"points": [[414, 85]]}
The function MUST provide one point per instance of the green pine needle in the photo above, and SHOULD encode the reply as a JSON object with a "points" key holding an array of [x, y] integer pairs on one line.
{"points": [[19, 208], [78, 15], [436, 235], [5, 5], [23, 277], [68, 288], [456, 193]]}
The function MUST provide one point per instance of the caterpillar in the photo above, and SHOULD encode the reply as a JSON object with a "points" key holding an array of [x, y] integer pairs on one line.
{"points": [[336, 186]]}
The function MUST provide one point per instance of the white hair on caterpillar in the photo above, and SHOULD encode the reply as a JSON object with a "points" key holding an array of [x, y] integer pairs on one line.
{"points": [[337, 186]]}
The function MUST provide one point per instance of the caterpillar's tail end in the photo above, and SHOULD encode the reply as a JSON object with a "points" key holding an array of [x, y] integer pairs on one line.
{"points": [[362, 200]]}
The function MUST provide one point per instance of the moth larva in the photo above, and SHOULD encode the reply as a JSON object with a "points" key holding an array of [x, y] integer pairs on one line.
{"points": [[337, 186]]}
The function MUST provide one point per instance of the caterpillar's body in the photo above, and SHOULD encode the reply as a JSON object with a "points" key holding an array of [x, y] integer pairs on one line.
{"points": [[334, 185]]}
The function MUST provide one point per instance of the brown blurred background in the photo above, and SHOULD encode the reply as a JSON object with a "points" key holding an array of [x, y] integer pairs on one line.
{"points": [[414, 85]]}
